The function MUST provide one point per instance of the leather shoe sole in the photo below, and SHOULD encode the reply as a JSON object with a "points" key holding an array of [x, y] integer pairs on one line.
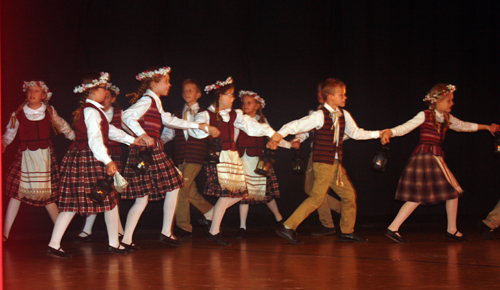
{"points": [[131, 247]]}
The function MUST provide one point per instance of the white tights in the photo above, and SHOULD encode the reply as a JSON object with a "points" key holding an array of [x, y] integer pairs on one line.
{"points": [[219, 210], [89, 223], [13, 209], [272, 205]]}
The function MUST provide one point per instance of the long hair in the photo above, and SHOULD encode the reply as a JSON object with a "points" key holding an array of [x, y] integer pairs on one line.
{"points": [[439, 91], [145, 85], [86, 78], [215, 96]]}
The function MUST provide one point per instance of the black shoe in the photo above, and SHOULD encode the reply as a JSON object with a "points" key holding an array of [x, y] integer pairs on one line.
{"points": [[58, 253], [182, 234], [352, 237], [241, 233], [289, 235], [131, 247], [205, 224], [120, 237], [218, 239], [169, 240], [485, 230], [113, 250], [454, 236], [85, 239], [324, 231], [395, 237]]}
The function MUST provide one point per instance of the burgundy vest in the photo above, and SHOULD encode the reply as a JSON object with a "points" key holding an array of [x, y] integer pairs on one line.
{"points": [[34, 135], [151, 121], [430, 138], [81, 137], [114, 147], [254, 145], [193, 150], [226, 130], [324, 149]]}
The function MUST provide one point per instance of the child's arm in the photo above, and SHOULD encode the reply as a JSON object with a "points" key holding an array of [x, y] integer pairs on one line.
{"points": [[462, 126], [96, 142], [167, 135], [131, 116], [63, 125], [253, 128], [119, 135], [9, 134], [313, 121], [200, 118], [405, 128], [353, 131]]}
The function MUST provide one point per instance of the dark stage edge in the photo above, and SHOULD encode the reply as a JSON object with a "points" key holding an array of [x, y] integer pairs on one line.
{"points": [[261, 261]]}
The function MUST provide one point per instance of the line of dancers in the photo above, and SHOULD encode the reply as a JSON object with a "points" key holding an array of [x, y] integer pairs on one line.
{"points": [[100, 125]]}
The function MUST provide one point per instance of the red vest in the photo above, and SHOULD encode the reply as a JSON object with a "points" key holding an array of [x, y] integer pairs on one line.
{"points": [[430, 138], [114, 147], [151, 121], [34, 135], [254, 145], [226, 130], [324, 149], [81, 137], [193, 150]]}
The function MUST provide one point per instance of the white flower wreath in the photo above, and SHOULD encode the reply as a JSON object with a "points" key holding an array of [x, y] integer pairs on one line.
{"points": [[114, 88], [433, 98], [83, 87], [40, 84], [218, 84], [255, 96], [149, 74]]}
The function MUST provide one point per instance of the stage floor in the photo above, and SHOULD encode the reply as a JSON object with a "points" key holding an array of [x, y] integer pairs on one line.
{"points": [[261, 261]]}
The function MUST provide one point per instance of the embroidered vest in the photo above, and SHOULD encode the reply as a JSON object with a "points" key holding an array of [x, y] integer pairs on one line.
{"points": [[151, 121], [193, 150], [430, 138], [114, 147], [81, 137], [34, 135], [226, 130], [324, 149], [254, 146]]}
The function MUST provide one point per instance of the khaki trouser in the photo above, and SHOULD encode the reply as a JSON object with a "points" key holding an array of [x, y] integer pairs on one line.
{"points": [[331, 203], [189, 194], [325, 176], [493, 218]]}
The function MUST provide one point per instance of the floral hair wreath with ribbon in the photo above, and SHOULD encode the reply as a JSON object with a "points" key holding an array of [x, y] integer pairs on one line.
{"points": [[149, 74], [255, 96], [84, 87], [40, 84], [114, 88], [218, 85], [433, 98]]}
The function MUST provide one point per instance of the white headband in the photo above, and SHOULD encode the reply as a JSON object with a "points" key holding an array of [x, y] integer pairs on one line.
{"points": [[40, 84], [255, 96], [149, 74], [83, 87], [218, 84]]}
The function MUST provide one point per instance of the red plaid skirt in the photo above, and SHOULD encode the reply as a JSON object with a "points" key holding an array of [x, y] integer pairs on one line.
{"points": [[80, 171], [13, 179], [161, 177], [424, 181], [117, 159], [213, 187], [272, 190]]}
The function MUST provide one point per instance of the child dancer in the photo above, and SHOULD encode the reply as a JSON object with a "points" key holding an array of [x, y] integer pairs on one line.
{"points": [[114, 116], [332, 124], [145, 118], [189, 157], [426, 178], [226, 179], [87, 161], [261, 189], [34, 175]]}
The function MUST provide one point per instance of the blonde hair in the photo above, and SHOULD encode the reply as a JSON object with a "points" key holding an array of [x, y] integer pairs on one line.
{"points": [[439, 92], [329, 86], [262, 118], [145, 85]]}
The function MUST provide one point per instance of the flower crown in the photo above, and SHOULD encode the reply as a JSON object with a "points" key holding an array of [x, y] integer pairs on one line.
{"points": [[84, 87], [114, 88], [433, 98], [40, 84], [255, 96], [149, 74], [218, 85]]}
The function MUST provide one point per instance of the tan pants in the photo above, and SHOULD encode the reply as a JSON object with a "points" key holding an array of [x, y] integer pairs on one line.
{"points": [[189, 194], [325, 176], [331, 203], [493, 218]]}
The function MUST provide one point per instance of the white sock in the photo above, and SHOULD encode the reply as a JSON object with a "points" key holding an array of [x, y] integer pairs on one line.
{"points": [[273, 206], [243, 215], [89, 223], [133, 216], [169, 206], [62, 222], [220, 207]]}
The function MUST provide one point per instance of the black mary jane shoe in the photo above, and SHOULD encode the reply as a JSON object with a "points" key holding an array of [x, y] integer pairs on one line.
{"points": [[454, 236], [218, 239], [131, 247], [289, 235], [393, 235], [113, 250], [169, 241], [241, 233], [79, 239], [485, 230], [58, 253], [120, 237]]}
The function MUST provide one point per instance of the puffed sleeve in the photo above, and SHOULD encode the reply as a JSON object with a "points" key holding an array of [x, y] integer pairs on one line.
{"points": [[253, 128], [10, 133], [201, 117], [63, 125], [409, 126], [462, 126], [96, 142]]}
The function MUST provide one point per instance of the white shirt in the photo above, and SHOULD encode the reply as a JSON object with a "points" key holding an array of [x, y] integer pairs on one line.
{"points": [[94, 134], [131, 116], [37, 115], [109, 114], [242, 122], [419, 119], [283, 143]]}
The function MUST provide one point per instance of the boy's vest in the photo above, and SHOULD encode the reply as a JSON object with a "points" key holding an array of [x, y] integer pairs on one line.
{"points": [[193, 150], [324, 148]]}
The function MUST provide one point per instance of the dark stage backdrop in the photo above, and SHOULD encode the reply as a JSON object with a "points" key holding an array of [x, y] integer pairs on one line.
{"points": [[389, 54]]}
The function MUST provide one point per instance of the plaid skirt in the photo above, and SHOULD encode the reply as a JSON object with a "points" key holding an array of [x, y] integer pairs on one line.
{"points": [[272, 190], [117, 159], [80, 171], [213, 188], [424, 181], [161, 177], [13, 179]]}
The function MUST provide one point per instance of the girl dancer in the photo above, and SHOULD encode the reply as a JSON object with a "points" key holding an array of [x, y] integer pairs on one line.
{"points": [[34, 175], [145, 118], [87, 161], [226, 179], [426, 178]]}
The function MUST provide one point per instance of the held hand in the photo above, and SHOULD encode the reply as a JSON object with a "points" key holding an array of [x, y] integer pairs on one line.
{"points": [[273, 145], [204, 127], [213, 131], [385, 136], [276, 138], [494, 128], [295, 143], [111, 168], [139, 141], [150, 142]]}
